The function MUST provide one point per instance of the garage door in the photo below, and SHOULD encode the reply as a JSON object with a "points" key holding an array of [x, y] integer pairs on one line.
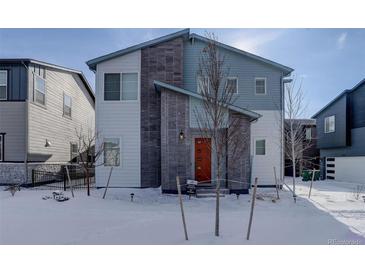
{"points": [[346, 169]]}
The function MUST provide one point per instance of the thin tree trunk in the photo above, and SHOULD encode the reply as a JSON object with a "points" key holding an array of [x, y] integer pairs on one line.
{"points": [[87, 181], [310, 189], [69, 181], [107, 184], [181, 207], [276, 184], [252, 208], [217, 200], [293, 163]]}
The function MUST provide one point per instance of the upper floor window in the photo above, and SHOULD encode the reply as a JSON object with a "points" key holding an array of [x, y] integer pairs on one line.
{"points": [[308, 133], [260, 86], [232, 84], [122, 86], [39, 95], [67, 105], [3, 84], [202, 84], [329, 124], [260, 147], [111, 152]]}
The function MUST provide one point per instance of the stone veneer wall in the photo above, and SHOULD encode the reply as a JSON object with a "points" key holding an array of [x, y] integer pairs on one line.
{"points": [[163, 62], [238, 166], [175, 153], [12, 173]]}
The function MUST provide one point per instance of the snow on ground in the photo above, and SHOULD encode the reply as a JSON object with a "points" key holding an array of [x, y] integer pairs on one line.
{"points": [[154, 218], [339, 199]]}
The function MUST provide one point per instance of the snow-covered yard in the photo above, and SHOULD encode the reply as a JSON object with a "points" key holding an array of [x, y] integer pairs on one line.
{"points": [[154, 218]]}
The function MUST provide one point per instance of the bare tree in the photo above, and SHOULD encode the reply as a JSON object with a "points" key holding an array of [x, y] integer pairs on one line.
{"points": [[215, 120], [294, 135], [89, 150]]}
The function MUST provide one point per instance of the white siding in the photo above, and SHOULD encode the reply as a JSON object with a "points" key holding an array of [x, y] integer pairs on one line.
{"points": [[120, 119], [349, 169], [268, 127]]}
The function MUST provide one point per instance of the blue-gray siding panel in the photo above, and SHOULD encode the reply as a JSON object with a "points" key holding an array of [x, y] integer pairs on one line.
{"points": [[358, 107], [246, 69], [17, 81], [339, 137]]}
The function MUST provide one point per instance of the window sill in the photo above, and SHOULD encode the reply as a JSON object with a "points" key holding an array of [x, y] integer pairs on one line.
{"points": [[39, 105], [67, 117]]}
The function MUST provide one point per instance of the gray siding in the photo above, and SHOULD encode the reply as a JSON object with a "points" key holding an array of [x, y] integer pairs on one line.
{"points": [[245, 69], [358, 107], [339, 137], [17, 81], [48, 122], [12, 122]]}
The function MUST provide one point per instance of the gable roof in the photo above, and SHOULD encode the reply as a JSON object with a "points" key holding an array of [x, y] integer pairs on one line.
{"points": [[345, 92], [33, 61], [185, 33], [158, 85]]}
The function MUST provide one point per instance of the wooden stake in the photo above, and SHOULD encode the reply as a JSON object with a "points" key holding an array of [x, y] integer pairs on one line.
{"points": [[310, 189], [69, 181], [252, 207], [276, 185], [107, 184], [181, 207]]}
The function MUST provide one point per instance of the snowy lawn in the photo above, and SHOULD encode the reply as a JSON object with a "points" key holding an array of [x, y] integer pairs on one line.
{"points": [[154, 218]]}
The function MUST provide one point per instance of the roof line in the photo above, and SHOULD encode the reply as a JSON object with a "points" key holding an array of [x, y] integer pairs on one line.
{"points": [[244, 111], [93, 62], [346, 91], [288, 70], [38, 62]]}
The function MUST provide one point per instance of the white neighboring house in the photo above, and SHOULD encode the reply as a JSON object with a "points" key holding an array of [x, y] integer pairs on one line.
{"points": [[144, 97]]}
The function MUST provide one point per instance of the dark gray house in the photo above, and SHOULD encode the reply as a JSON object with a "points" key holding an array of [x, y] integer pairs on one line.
{"points": [[145, 100], [41, 105], [341, 136]]}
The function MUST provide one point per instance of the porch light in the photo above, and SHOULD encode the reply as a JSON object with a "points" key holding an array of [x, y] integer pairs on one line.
{"points": [[181, 135], [132, 196], [48, 143]]}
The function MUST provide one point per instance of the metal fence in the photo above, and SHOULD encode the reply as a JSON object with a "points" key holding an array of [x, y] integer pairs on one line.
{"points": [[59, 180]]}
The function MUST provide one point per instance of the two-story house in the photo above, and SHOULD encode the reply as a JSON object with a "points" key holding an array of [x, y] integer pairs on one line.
{"points": [[145, 97], [41, 106], [341, 136]]}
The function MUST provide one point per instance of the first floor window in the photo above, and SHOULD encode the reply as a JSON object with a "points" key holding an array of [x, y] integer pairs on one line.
{"points": [[74, 152], [111, 86], [111, 152], [39, 95], [260, 86], [3, 84], [329, 124], [232, 84], [260, 147], [1, 147], [67, 103], [203, 84]]}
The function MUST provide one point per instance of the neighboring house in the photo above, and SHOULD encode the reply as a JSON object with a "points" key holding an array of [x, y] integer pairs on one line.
{"points": [[145, 101], [309, 158], [341, 136], [41, 105]]}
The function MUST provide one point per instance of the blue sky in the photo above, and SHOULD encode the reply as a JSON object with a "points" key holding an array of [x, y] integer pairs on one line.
{"points": [[328, 60]]}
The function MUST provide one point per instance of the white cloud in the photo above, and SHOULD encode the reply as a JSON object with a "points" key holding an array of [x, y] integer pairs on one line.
{"points": [[254, 41], [341, 40]]}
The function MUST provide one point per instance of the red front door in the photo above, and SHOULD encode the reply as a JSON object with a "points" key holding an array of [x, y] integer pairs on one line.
{"points": [[202, 159]]}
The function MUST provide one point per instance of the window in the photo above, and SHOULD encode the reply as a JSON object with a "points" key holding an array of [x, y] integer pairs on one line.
{"points": [[329, 124], [308, 133], [260, 147], [112, 87], [111, 152], [67, 105], [260, 86], [232, 84], [39, 95], [203, 84], [129, 86], [3, 84], [1, 147], [74, 152]]}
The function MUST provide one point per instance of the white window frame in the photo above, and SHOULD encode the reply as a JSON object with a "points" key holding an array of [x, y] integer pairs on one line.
{"points": [[121, 87], [308, 131], [198, 79], [328, 130], [260, 139], [265, 80], [2, 147], [233, 78], [35, 90], [120, 154], [64, 114], [6, 85]]}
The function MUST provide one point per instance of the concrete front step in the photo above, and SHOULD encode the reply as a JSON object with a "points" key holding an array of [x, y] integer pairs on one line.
{"points": [[210, 192]]}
